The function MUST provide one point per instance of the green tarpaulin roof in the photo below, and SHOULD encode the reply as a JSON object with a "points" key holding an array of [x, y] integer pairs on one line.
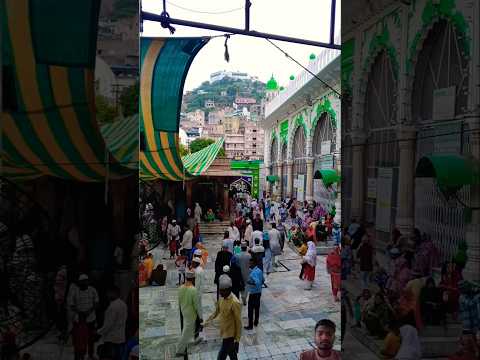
{"points": [[329, 176], [451, 171]]}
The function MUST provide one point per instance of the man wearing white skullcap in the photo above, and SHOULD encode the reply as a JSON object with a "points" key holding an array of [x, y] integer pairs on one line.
{"points": [[198, 254], [189, 312], [229, 310], [199, 281]]}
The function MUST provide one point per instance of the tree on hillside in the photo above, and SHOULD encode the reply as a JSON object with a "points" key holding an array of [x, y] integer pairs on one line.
{"points": [[183, 150], [129, 99], [200, 143], [105, 111]]}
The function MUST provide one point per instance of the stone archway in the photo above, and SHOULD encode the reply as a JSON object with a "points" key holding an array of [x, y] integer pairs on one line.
{"points": [[440, 66], [381, 148], [299, 159]]}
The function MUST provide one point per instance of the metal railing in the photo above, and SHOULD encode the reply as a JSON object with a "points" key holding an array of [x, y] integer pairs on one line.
{"points": [[325, 57]]}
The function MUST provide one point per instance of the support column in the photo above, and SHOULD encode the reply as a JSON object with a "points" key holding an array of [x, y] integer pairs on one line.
{"points": [[280, 184], [309, 187], [405, 220], [268, 185], [226, 207], [289, 178], [188, 192], [358, 174], [472, 236]]}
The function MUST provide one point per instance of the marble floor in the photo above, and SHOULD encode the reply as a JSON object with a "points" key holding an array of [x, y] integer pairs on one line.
{"points": [[288, 313]]}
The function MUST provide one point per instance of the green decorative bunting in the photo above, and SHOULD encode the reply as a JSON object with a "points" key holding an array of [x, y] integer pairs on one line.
{"points": [[382, 42], [325, 106], [284, 131], [432, 13]]}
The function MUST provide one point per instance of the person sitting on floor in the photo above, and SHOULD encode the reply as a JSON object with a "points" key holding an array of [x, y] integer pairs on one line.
{"points": [[431, 304], [392, 341], [376, 314], [159, 276]]}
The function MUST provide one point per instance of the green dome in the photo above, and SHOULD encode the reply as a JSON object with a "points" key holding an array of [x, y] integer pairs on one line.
{"points": [[312, 56], [292, 77], [272, 84]]}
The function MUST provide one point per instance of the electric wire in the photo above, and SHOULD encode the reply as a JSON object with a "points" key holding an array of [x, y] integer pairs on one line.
{"points": [[205, 12], [304, 68]]}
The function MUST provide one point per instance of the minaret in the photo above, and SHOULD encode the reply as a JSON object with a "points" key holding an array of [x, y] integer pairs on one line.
{"points": [[271, 89]]}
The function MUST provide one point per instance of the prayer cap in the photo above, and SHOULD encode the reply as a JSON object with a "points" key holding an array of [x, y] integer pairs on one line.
{"points": [[224, 282]]}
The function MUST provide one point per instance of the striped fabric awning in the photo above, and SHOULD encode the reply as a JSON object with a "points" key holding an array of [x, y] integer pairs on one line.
{"points": [[122, 140], [164, 64], [48, 121]]}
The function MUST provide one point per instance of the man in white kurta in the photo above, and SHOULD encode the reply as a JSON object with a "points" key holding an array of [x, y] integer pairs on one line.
{"points": [[199, 284]]}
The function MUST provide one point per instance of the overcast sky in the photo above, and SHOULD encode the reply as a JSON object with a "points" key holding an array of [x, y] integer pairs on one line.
{"points": [[308, 19]]}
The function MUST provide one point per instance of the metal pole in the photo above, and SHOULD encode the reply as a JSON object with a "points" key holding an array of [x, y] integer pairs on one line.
{"points": [[332, 21], [247, 15], [157, 18]]}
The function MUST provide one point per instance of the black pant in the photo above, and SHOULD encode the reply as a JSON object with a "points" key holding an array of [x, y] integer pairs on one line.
{"points": [[253, 304], [228, 349], [197, 327]]}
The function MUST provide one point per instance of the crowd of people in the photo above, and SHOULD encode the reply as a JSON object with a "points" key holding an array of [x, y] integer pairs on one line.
{"points": [[251, 245], [400, 295]]}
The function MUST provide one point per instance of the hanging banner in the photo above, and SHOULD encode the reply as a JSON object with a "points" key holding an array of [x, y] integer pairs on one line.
{"points": [[242, 185], [301, 188], [384, 199]]}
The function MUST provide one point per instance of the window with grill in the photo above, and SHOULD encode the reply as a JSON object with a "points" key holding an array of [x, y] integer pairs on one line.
{"points": [[441, 64], [381, 148]]}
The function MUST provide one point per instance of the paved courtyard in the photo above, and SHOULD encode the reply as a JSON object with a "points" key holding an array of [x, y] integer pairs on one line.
{"points": [[288, 313]]}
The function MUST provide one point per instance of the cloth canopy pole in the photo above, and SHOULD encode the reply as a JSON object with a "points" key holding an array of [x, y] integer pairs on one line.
{"points": [[168, 20]]}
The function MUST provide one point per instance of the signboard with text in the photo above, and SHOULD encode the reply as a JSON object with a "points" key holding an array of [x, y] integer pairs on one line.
{"points": [[301, 188]]}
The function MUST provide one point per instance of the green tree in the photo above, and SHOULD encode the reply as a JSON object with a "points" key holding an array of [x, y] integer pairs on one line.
{"points": [[129, 99], [200, 143], [183, 150], [105, 111]]}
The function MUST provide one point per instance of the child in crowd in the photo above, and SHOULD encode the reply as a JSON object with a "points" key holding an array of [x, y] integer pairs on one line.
{"points": [[181, 264], [173, 248], [302, 251]]}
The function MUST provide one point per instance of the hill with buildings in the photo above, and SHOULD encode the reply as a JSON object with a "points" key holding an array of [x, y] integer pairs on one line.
{"points": [[223, 93]]}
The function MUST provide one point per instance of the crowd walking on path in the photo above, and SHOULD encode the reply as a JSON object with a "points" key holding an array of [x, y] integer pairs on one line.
{"points": [[249, 253]]}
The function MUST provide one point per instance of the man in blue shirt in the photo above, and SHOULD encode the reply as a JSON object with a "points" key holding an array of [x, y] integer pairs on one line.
{"points": [[255, 282]]}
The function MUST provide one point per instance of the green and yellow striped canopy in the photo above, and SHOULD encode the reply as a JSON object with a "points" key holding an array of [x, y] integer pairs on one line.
{"points": [[49, 124], [121, 137], [164, 65]]}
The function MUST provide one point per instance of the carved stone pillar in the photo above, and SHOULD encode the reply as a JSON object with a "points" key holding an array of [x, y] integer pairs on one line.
{"points": [[405, 220], [309, 187], [289, 178], [358, 174]]}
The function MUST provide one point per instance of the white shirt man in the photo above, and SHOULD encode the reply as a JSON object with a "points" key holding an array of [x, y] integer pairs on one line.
{"points": [[274, 236], [248, 232], [199, 282], [113, 329], [234, 233], [187, 240], [83, 298], [257, 234], [173, 231]]}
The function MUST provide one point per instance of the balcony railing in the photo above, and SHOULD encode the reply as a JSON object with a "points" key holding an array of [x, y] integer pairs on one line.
{"points": [[325, 57]]}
